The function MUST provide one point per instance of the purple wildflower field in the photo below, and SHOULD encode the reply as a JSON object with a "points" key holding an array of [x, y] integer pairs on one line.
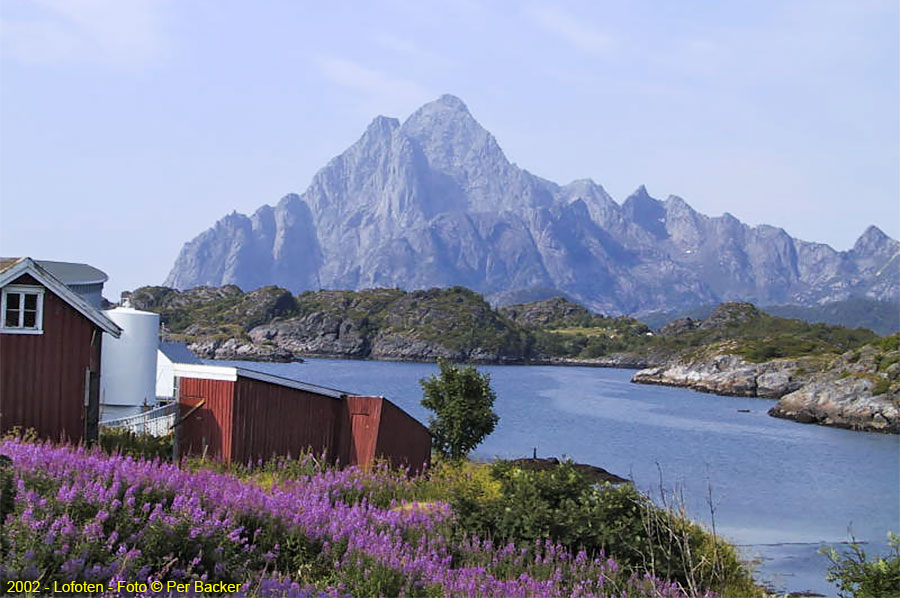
{"points": [[82, 515]]}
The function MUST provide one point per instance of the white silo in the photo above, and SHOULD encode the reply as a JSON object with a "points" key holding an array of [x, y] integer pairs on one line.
{"points": [[128, 364]]}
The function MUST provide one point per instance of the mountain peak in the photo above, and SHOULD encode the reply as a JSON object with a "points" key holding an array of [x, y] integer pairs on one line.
{"points": [[640, 197], [441, 112], [873, 233], [383, 123], [451, 138], [381, 127], [452, 102], [872, 240], [647, 212]]}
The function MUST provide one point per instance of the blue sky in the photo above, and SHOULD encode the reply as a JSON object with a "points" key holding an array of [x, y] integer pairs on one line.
{"points": [[128, 127]]}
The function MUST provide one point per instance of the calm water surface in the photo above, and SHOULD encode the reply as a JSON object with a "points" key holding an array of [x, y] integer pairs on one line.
{"points": [[779, 489]]}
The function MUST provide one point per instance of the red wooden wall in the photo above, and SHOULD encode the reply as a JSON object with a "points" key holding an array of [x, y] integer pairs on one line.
{"points": [[42, 376], [364, 416], [402, 439], [248, 420], [208, 429], [278, 420]]}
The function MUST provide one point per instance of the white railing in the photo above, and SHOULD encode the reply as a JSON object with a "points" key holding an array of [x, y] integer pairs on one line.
{"points": [[157, 422]]}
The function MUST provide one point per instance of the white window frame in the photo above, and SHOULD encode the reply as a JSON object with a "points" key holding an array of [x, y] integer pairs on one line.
{"points": [[22, 290]]}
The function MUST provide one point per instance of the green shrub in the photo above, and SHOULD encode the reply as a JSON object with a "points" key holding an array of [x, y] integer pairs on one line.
{"points": [[126, 442], [890, 343], [887, 361], [597, 346], [562, 505], [462, 401], [759, 352], [857, 576], [881, 386]]}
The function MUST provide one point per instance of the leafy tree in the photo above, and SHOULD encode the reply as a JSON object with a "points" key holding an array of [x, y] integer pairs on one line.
{"points": [[463, 404]]}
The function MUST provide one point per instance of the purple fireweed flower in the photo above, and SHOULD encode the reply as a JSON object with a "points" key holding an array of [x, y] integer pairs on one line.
{"points": [[129, 511]]}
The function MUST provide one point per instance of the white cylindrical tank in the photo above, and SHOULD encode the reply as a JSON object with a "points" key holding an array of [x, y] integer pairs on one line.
{"points": [[128, 364]]}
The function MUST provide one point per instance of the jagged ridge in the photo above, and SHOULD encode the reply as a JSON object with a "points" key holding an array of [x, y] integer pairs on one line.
{"points": [[434, 202]]}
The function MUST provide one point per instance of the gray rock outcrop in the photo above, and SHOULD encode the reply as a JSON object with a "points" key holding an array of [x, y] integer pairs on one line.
{"points": [[729, 375], [236, 349], [858, 390], [843, 403]]}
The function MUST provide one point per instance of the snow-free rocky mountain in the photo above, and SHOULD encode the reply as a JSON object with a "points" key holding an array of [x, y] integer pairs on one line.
{"points": [[434, 202]]}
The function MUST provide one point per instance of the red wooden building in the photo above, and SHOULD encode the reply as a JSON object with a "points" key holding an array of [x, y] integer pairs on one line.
{"points": [[241, 415], [50, 343]]}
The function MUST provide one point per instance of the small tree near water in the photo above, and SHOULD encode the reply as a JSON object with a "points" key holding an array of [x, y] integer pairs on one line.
{"points": [[463, 404]]}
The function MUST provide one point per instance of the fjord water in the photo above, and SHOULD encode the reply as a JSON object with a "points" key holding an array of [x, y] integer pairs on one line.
{"points": [[779, 489]]}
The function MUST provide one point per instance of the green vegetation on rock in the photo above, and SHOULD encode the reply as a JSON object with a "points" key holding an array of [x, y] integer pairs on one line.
{"points": [[744, 330], [561, 328], [882, 317], [878, 361], [211, 311], [458, 324], [736, 328]]}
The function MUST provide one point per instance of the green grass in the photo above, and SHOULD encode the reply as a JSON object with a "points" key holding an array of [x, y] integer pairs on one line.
{"points": [[881, 387]]}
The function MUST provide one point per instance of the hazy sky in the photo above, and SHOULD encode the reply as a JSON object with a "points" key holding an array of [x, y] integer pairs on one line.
{"points": [[127, 127]]}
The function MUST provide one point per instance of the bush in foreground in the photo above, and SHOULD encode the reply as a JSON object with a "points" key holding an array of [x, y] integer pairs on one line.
{"points": [[858, 576], [509, 504]]}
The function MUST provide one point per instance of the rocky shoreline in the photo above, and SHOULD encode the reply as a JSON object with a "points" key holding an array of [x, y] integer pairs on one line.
{"points": [[842, 392], [858, 391], [233, 349], [848, 391], [731, 375], [847, 403]]}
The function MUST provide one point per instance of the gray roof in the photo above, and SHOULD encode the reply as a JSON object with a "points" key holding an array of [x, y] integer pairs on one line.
{"points": [[178, 353], [70, 273]]}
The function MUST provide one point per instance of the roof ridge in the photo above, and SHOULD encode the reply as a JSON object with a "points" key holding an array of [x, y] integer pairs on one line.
{"points": [[27, 265]]}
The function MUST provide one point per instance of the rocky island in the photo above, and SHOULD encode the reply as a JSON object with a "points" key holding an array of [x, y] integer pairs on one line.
{"points": [[858, 390], [749, 353], [270, 324]]}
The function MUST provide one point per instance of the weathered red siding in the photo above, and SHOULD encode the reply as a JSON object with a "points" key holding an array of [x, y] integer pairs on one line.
{"points": [[279, 420], [250, 419], [364, 414], [402, 439], [209, 429], [42, 377]]}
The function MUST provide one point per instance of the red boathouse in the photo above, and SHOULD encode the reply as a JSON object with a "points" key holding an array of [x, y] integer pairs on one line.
{"points": [[241, 415]]}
